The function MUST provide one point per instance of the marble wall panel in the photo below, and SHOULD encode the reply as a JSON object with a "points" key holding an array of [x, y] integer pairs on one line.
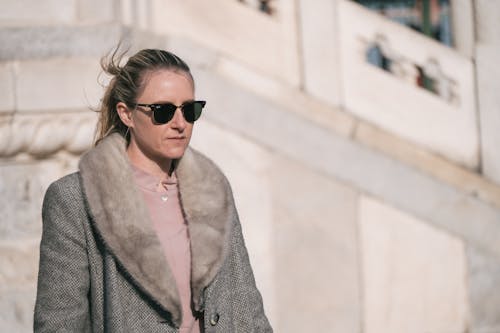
{"points": [[33, 12], [483, 280], [318, 26], [414, 275], [96, 11], [266, 43], [16, 310], [58, 84], [488, 78], [487, 52], [22, 187], [487, 16], [7, 91], [42, 42], [316, 250]]}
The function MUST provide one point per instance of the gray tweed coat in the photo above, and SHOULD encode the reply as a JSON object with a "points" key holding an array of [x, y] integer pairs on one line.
{"points": [[102, 268]]}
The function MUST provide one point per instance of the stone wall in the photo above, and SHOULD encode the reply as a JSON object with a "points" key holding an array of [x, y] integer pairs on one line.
{"points": [[487, 49], [350, 227]]}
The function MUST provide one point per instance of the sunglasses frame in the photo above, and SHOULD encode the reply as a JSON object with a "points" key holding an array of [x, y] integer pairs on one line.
{"points": [[156, 108]]}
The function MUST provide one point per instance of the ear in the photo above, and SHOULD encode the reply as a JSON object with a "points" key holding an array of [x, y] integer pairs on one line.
{"points": [[125, 114]]}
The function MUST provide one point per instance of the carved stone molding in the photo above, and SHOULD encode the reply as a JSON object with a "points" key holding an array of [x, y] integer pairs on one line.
{"points": [[43, 135]]}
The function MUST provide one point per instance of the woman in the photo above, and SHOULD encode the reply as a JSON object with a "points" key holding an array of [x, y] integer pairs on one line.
{"points": [[145, 237]]}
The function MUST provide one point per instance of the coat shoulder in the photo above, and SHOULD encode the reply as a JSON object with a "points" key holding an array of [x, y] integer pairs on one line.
{"points": [[70, 181], [65, 191]]}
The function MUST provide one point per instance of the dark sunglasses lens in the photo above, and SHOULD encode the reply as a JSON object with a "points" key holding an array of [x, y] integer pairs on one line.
{"points": [[164, 113], [192, 110]]}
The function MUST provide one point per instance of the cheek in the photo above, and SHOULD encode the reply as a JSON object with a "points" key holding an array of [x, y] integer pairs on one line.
{"points": [[146, 131], [189, 130]]}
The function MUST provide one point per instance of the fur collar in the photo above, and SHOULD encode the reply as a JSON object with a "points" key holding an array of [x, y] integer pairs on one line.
{"points": [[121, 219]]}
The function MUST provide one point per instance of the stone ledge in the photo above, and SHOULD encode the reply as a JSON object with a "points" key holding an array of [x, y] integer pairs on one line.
{"points": [[431, 164], [95, 40], [50, 41], [286, 96]]}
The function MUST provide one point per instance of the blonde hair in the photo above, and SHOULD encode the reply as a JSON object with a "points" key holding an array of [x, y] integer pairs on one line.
{"points": [[126, 83]]}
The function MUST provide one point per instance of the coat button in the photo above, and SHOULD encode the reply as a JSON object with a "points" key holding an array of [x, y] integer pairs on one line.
{"points": [[214, 319]]}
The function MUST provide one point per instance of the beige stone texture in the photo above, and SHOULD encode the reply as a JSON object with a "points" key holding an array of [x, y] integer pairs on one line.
{"points": [[446, 127], [16, 310], [46, 42], [483, 280], [434, 165], [341, 123], [58, 84], [144, 14], [97, 11], [320, 53], [192, 52], [35, 12], [273, 93], [488, 21], [414, 275], [138, 13], [488, 78], [316, 250], [19, 263], [127, 11], [7, 91], [266, 43], [22, 187], [44, 135], [462, 21]]}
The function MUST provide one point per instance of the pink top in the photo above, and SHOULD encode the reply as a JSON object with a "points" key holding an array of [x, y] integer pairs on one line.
{"points": [[162, 200]]}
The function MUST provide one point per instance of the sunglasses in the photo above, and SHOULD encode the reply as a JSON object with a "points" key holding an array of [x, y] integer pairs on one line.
{"points": [[163, 113]]}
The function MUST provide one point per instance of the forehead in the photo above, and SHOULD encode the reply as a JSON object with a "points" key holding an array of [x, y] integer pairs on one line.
{"points": [[166, 85]]}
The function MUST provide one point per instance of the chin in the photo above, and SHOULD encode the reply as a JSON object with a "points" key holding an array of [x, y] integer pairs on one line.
{"points": [[175, 153]]}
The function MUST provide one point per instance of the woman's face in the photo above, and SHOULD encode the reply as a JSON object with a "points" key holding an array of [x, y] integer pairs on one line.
{"points": [[162, 142]]}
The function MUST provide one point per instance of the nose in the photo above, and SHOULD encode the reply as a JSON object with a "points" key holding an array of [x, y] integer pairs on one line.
{"points": [[178, 122]]}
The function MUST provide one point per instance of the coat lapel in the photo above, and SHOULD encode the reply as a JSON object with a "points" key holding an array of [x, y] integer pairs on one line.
{"points": [[122, 220], [209, 210]]}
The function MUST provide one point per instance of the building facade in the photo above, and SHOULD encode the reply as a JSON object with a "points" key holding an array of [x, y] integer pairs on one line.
{"points": [[370, 199]]}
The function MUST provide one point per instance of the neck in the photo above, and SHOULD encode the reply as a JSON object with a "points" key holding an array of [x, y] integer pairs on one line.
{"points": [[158, 168]]}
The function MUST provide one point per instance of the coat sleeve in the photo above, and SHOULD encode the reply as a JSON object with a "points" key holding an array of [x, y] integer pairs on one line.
{"points": [[244, 283], [63, 276]]}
